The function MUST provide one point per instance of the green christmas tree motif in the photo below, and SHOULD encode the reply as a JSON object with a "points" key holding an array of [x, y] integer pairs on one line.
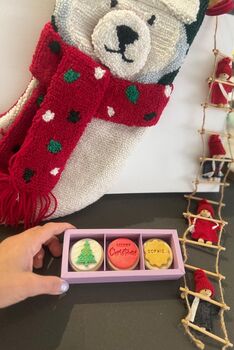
{"points": [[86, 257]]}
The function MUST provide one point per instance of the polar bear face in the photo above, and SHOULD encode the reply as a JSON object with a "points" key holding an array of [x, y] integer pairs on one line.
{"points": [[139, 40]]}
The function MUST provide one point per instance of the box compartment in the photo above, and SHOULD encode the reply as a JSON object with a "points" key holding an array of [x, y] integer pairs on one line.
{"points": [[136, 238], [99, 238]]}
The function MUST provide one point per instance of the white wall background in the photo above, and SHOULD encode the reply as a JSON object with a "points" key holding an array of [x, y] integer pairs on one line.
{"points": [[167, 158]]}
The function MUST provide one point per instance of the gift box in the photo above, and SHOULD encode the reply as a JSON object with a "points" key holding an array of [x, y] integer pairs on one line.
{"points": [[105, 274]]}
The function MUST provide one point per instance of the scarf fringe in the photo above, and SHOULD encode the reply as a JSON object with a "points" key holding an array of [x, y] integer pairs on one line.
{"points": [[23, 207]]}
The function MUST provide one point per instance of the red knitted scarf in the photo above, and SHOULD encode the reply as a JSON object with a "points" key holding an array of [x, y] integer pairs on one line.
{"points": [[72, 89]]}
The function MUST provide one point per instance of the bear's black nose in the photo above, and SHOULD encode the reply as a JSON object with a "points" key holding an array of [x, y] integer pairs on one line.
{"points": [[126, 36]]}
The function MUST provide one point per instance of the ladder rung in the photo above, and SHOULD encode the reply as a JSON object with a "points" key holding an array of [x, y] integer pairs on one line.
{"points": [[226, 109], [225, 160], [211, 182], [200, 198], [206, 219], [209, 334], [229, 83], [189, 241], [209, 273], [209, 132], [202, 297]]}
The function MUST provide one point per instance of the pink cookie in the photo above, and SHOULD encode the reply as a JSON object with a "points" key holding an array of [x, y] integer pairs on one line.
{"points": [[123, 254]]}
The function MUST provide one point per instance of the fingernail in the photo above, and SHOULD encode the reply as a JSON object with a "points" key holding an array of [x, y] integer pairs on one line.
{"points": [[64, 287]]}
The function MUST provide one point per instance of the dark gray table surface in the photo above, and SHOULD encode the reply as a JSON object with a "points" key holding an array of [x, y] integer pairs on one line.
{"points": [[131, 316]]}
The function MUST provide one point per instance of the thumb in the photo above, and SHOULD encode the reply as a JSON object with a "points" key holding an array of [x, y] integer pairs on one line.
{"points": [[38, 285]]}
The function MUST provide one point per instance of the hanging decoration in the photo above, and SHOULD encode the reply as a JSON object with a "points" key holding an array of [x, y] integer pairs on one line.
{"points": [[206, 228]]}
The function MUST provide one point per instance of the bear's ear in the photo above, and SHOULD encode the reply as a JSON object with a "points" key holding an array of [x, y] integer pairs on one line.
{"points": [[185, 10]]}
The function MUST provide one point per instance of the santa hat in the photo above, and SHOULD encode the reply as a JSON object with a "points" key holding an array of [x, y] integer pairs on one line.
{"points": [[222, 7], [204, 205], [202, 282], [224, 67], [216, 146]]}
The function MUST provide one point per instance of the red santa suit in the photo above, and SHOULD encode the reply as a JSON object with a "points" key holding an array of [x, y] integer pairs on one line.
{"points": [[205, 229], [220, 91]]}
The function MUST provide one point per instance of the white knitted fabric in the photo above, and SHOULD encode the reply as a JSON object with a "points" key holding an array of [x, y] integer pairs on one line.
{"points": [[105, 32], [94, 165], [7, 119], [160, 49], [184, 10], [78, 22]]}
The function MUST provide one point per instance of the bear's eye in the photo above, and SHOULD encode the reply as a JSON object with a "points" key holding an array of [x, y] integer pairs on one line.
{"points": [[151, 21], [114, 3]]}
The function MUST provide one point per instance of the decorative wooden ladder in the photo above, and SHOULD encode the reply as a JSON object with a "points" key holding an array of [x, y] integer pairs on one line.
{"points": [[186, 242]]}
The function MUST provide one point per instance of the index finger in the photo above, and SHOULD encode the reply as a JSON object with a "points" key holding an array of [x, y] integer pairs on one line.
{"points": [[41, 234]]}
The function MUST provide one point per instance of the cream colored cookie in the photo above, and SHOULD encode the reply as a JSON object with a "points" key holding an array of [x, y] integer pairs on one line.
{"points": [[86, 255]]}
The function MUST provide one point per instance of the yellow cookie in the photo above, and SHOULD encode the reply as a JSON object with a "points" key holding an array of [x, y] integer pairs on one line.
{"points": [[158, 254]]}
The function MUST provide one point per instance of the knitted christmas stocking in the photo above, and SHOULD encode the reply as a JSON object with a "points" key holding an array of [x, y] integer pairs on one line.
{"points": [[100, 94]]}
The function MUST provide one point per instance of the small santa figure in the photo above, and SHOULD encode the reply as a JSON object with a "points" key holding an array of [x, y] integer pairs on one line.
{"points": [[212, 170], [220, 90], [202, 312], [205, 230]]}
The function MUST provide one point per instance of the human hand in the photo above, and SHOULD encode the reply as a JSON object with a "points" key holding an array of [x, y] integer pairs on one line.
{"points": [[19, 254]]}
